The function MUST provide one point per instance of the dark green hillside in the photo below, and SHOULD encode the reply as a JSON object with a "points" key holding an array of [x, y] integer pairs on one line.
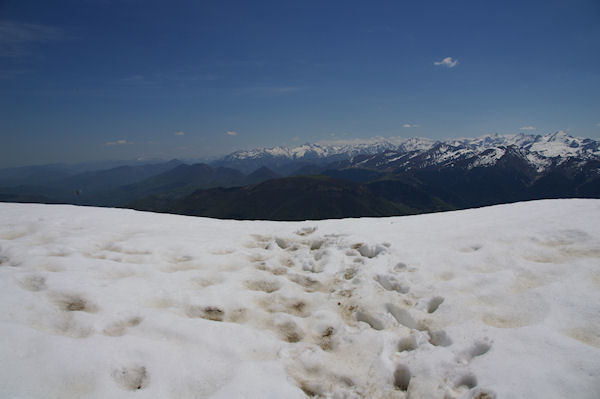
{"points": [[402, 190], [292, 198]]}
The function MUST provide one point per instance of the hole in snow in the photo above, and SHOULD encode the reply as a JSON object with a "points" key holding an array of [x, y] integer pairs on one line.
{"points": [[402, 378], [287, 262], [346, 381], [369, 251], [401, 315], [480, 348], [307, 282], [304, 231], [289, 331], [319, 255], [73, 303], [131, 378], [407, 344], [213, 313], [467, 380], [316, 244], [349, 273], [434, 304], [33, 283], [439, 338], [482, 394], [263, 285], [281, 242], [278, 271], [119, 328], [391, 284], [370, 320], [206, 312], [290, 305], [326, 341], [400, 267], [311, 389]]}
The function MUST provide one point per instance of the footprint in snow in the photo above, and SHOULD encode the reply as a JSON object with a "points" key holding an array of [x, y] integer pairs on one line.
{"points": [[33, 282], [131, 378]]}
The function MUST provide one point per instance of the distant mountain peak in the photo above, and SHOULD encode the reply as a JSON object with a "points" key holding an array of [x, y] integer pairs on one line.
{"points": [[539, 151]]}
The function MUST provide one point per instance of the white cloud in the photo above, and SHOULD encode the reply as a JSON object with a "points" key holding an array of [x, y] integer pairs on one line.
{"points": [[118, 142], [447, 62], [179, 133], [231, 133], [528, 128], [410, 125], [598, 124]]}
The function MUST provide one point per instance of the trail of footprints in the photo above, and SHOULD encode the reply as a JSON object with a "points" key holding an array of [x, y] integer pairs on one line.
{"points": [[294, 315], [297, 279]]}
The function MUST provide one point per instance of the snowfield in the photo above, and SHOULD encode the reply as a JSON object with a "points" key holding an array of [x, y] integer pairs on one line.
{"points": [[498, 302]]}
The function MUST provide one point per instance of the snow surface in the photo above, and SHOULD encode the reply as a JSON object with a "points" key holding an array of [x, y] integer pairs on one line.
{"points": [[493, 302]]}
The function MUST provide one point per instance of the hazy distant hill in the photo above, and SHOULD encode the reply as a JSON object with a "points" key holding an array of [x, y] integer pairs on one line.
{"points": [[121, 185], [260, 175], [95, 181], [57, 185], [177, 182], [50, 173], [32, 175]]}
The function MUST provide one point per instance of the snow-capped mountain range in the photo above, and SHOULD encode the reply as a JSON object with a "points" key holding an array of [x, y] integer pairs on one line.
{"points": [[538, 151], [377, 177]]}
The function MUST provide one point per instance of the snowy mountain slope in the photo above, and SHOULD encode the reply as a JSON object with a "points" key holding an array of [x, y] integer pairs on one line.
{"points": [[325, 152], [493, 302], [540, 152]]}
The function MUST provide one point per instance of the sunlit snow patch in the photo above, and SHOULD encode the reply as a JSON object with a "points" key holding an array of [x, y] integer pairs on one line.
{"points": [[494, 302]]}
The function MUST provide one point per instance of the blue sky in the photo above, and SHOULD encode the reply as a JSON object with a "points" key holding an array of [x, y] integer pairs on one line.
{"points": [[101, 79]]}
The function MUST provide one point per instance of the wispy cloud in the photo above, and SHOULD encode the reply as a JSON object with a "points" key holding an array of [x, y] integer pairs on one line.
{"points": [[448, 62], [16, 37], [118, 142], [133, 78], [180, 133], [269, 91], [11, 74], [528, 128], [371, 140], [139, 80], [410, 125], [231, 133]]}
